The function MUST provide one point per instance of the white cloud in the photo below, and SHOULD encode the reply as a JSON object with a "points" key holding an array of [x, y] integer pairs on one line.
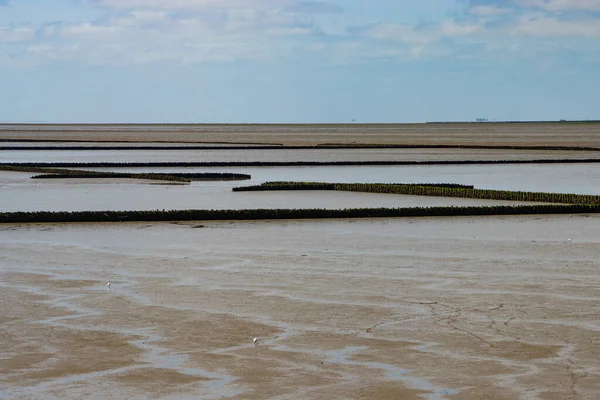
{"points": [[138, 18], [450, 28], [410, 34], [195, 31], [404, 33], [562, 5], [488, 10], [155, 30], [212, 17], [519, 35], [89, 31], [194, 4], [554, 28], [15, 35]]}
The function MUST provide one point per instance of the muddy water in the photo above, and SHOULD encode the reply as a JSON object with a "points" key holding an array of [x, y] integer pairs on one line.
{"points": [[285, 155], [444, 308]]}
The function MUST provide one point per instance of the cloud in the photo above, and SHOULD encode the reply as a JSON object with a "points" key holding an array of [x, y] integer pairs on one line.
{"points": [[196, 31], [489, 28], [252, 17], [178, 31], [487, 10], [182, 31], [555, 28], [15, 35], [562, 5], [411, 34], [314, 7], [203, 5], [499, 7], [86, 31]]}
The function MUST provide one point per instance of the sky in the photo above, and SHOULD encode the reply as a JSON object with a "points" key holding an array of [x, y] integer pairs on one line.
{"points": [[298, 61]]}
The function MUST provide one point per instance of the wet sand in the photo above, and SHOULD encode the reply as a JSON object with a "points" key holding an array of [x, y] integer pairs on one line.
{"points": [[454, 308], [508, 134]]}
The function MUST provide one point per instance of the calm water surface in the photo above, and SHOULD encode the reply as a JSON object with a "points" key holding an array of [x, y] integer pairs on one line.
{"points": [[19, 193], [281, 155], [561, 178]]}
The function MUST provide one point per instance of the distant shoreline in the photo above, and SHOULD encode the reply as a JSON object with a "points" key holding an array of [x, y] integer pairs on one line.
{"points": [[308, 124]]}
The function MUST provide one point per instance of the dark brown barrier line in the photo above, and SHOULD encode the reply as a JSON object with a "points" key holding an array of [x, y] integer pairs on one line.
{"points": [[436, 190], [55, 173], [283, 186], [270, 214], [177, 177]]}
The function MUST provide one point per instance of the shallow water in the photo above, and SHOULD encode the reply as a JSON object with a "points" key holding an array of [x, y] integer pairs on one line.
{"points": [[19, 193], [322, 155], [560, 178]]}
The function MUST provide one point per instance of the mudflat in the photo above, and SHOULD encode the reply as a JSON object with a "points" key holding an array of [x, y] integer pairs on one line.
{"points": [[446, 308], [508, 134]]}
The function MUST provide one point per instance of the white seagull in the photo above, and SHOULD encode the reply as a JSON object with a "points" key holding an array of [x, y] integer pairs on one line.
{"points": [[255, 341], [108, 285]]}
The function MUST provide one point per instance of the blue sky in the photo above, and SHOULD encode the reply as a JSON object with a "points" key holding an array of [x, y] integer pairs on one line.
{"points": [[298, 60]]}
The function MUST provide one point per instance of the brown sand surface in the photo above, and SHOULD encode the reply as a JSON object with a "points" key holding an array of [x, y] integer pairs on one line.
{"points": [[512, 134], [448, 308]]}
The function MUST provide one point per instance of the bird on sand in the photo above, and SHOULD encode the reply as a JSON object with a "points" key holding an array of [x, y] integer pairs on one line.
{"points": [[255, 341], [108, 286]]}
